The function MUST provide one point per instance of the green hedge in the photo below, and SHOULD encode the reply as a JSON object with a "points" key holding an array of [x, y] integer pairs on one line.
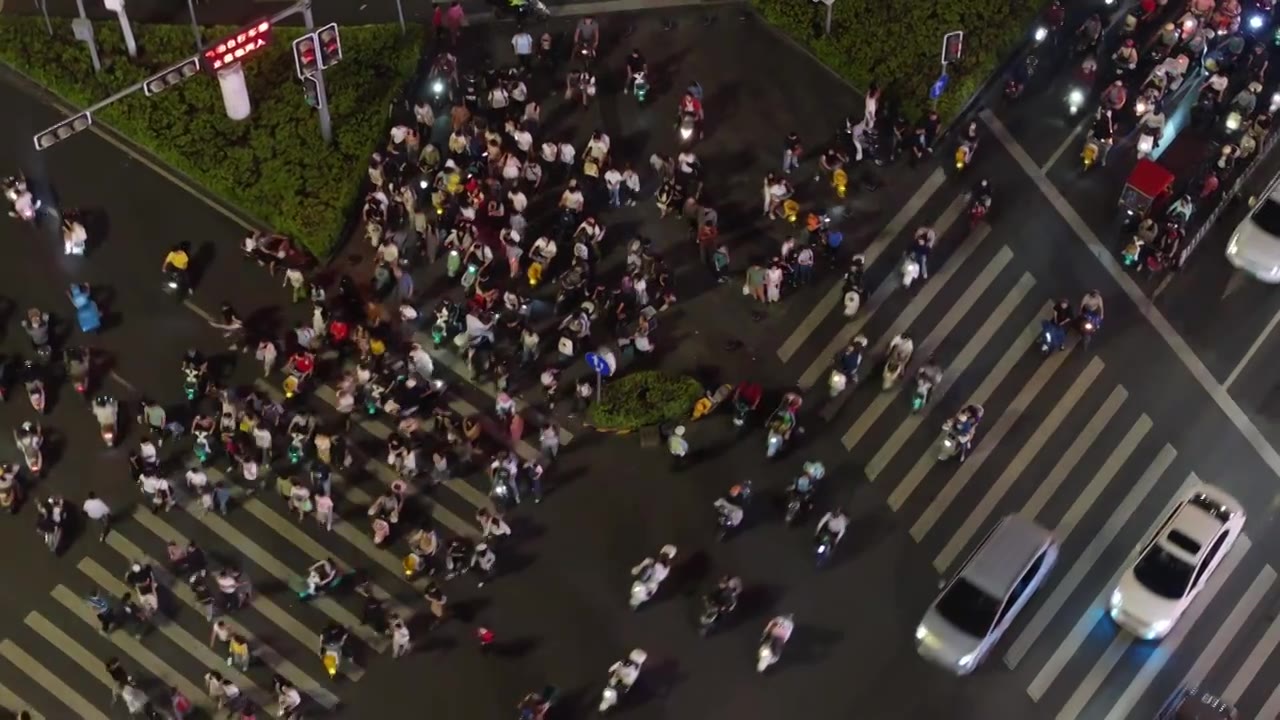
{"points": [[899, 44], [272, 166], [647, 397]]}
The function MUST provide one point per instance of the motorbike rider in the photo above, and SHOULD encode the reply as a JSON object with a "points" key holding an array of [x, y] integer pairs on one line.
{"points": [[195, 365], [176, 260], [850, 359], [653, 570], [784, 420], [834, 522], [636, 65], [1247, 99], [732, 507], [1126, 58], [105, 410], [855, 276], [1092, 303], [1060, 322], [36, 323], [321, 575], [587, 36], [780, 628], [23, 203], [921, 245], [747, 396], [1088, 33], [333, 637], [30, 436], [1103, 133], [691, 104], [288, 699], [900, 350], [1152, 123], [1115, 96], [625, 672], [965, 426], [928, 376], [725, 595], [981, 194], [77, 361]]}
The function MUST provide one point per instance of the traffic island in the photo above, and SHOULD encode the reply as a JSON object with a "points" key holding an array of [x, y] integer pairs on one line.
{"points": [[643, 399], [899, 45], [272, 167]]}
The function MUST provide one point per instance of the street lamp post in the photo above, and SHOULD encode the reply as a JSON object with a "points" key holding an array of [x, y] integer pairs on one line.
{"points": [[829, 4], [400, 11], [126, 29], [83, 30], [195, 26]]}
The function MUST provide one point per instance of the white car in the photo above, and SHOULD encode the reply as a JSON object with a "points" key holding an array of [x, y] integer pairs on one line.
{"points": [[1175, 564], [1255, 245]]}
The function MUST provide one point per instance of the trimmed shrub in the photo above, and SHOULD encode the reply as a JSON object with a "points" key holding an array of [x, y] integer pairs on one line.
{"points": [[899, 44], [274, 166], [643, 398]]}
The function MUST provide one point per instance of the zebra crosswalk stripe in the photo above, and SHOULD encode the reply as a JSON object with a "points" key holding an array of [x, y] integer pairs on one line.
{"points": [[9, 699], [48, 680], [1257, 657], [1085, 440]]}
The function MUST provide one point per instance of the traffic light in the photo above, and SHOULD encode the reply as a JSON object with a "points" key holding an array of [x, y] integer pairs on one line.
{"points": [[952, 46], [330, 45], [164, 80], [311, 91], [63, 130], [305, 58]]}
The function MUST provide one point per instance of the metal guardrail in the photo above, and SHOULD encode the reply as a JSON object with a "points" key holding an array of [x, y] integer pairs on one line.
{"points": [[1229, 195]]}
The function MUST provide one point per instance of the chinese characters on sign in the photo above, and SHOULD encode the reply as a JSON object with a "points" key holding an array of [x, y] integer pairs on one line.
{"points": [[244, 44]]}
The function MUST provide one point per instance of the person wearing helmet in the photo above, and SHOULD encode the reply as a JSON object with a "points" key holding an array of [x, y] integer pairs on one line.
{"points": [[928, 376], [732, 507], [850, 359], [1115, 96], [982, 193], [678, 446], [105, 409], [1126, 58]]}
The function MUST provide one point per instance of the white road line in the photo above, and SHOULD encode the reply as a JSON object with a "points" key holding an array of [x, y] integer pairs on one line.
{"points": [[263, 652], [1030, 448], [1208, 656], [196, 647], [1103, 538], [88, 661], [881, 295], [1169, 645], [998, 373], [1257, 343], [831, 300], [1106, 257], [1071, 139], [1258, 656], [48, 680], [252, 551], [8, 698], [973, 293], [127, 385], [144, 657], [1116, 460], [1085, 440], [985, 443], [1272, 707], [953, 370], [1096, 609]]}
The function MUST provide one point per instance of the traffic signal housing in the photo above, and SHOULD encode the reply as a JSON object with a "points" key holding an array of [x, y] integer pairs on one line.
{"points": [[166, 79], [311, 91], [330, 42], [63, 130], [305, 57]]}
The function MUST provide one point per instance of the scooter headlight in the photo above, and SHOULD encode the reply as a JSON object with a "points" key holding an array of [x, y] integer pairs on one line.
{"points": [[1041, 33], [1075, 100], [1275, 102], [1256, 22], [437, 87], [686, 133], [1233, 121], [1140, 107]]}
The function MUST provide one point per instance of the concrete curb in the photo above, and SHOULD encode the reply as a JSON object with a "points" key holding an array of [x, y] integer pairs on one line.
{"points": [[28, 84]]}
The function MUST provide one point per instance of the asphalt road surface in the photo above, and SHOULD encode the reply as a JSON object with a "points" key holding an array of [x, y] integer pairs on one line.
{"points": [[1094, 443]]}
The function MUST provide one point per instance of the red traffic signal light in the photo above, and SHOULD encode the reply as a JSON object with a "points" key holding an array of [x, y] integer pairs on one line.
{"points": [[305, 58], [330, 45]]}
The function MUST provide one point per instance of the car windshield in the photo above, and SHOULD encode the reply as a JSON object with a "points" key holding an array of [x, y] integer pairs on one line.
{"points": [[1267, 217], [968, 608], [1163, 574]]}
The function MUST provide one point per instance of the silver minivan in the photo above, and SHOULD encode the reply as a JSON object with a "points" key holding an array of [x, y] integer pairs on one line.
{"points": [[987, 592]]}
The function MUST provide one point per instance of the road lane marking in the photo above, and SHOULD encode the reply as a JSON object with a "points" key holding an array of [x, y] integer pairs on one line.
{"points": [[891, 282], [8, 698], [253, 552], [1257, 343], [1253, 663], [261, 651], [951, 372], [127, 385], [48, 680], [831, 300], [1106, 257], [1208, 656], [940, 331], [126, 642], [1085, 440], [1071, 139], [1100, 541], [1155, 662], [998, 374], [1030, 448], [196, 647], [193, 307], [1093, 613], [986, 443]]}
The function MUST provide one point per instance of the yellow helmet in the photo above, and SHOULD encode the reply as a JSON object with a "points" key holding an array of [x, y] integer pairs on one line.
{"points": [[290, 386]]}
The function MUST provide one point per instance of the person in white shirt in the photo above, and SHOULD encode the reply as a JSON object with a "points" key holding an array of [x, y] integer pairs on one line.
{"points": [[519, 202], [533, 174], [613, 181], [426, 117], [598, 147], [523, 139], [567, 154], [631, 185], [687, 162], [549, 151], [99, 512], [532, 116], [518, 91], [522, 43], [499, 99], [572, 197], [543, 250]]}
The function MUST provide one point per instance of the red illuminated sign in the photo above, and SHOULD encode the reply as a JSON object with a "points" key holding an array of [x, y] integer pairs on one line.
{"points": [[241, 46]]}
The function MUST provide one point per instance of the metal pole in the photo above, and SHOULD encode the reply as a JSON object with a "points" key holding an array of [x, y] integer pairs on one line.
{"points": [[326, 122], [44, 10], [829, 6], [599, 387], [92, 42], [400, 11], [195, 26], [126, 29]]}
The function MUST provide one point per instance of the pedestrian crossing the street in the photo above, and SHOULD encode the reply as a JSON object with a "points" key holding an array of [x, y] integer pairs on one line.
{"points": [[54, 665], [1062, 442]]}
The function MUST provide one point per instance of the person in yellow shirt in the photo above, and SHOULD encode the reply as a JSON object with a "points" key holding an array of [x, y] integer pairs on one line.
{"points": [[177, 259]]}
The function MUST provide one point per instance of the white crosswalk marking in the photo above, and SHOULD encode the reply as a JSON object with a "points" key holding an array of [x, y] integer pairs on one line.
{"points": [[48, 680], [1116, 460], [303, 682], [985, 443], [1081, 629], [1030, 448], [183, 639], [1258, 656], [832, 298], [1169, 645], [953, 370], [10, 700], [1085, 440], [133, 648], [882, 292], [1089, 556], [1209, 655], [87, 661], [953, 317]]}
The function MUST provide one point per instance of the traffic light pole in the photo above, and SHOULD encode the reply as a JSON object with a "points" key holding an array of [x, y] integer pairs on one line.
{"points": [[326, 122]]}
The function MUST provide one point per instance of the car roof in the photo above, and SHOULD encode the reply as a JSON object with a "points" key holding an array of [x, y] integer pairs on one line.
{"points": [[1005, 554], [1196, 522]]}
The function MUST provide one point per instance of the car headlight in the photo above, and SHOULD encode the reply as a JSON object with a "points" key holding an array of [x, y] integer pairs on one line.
{"points": [[967, 660], [921, 632], [1159, 627], [1233, 247], [1116, 599]]}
